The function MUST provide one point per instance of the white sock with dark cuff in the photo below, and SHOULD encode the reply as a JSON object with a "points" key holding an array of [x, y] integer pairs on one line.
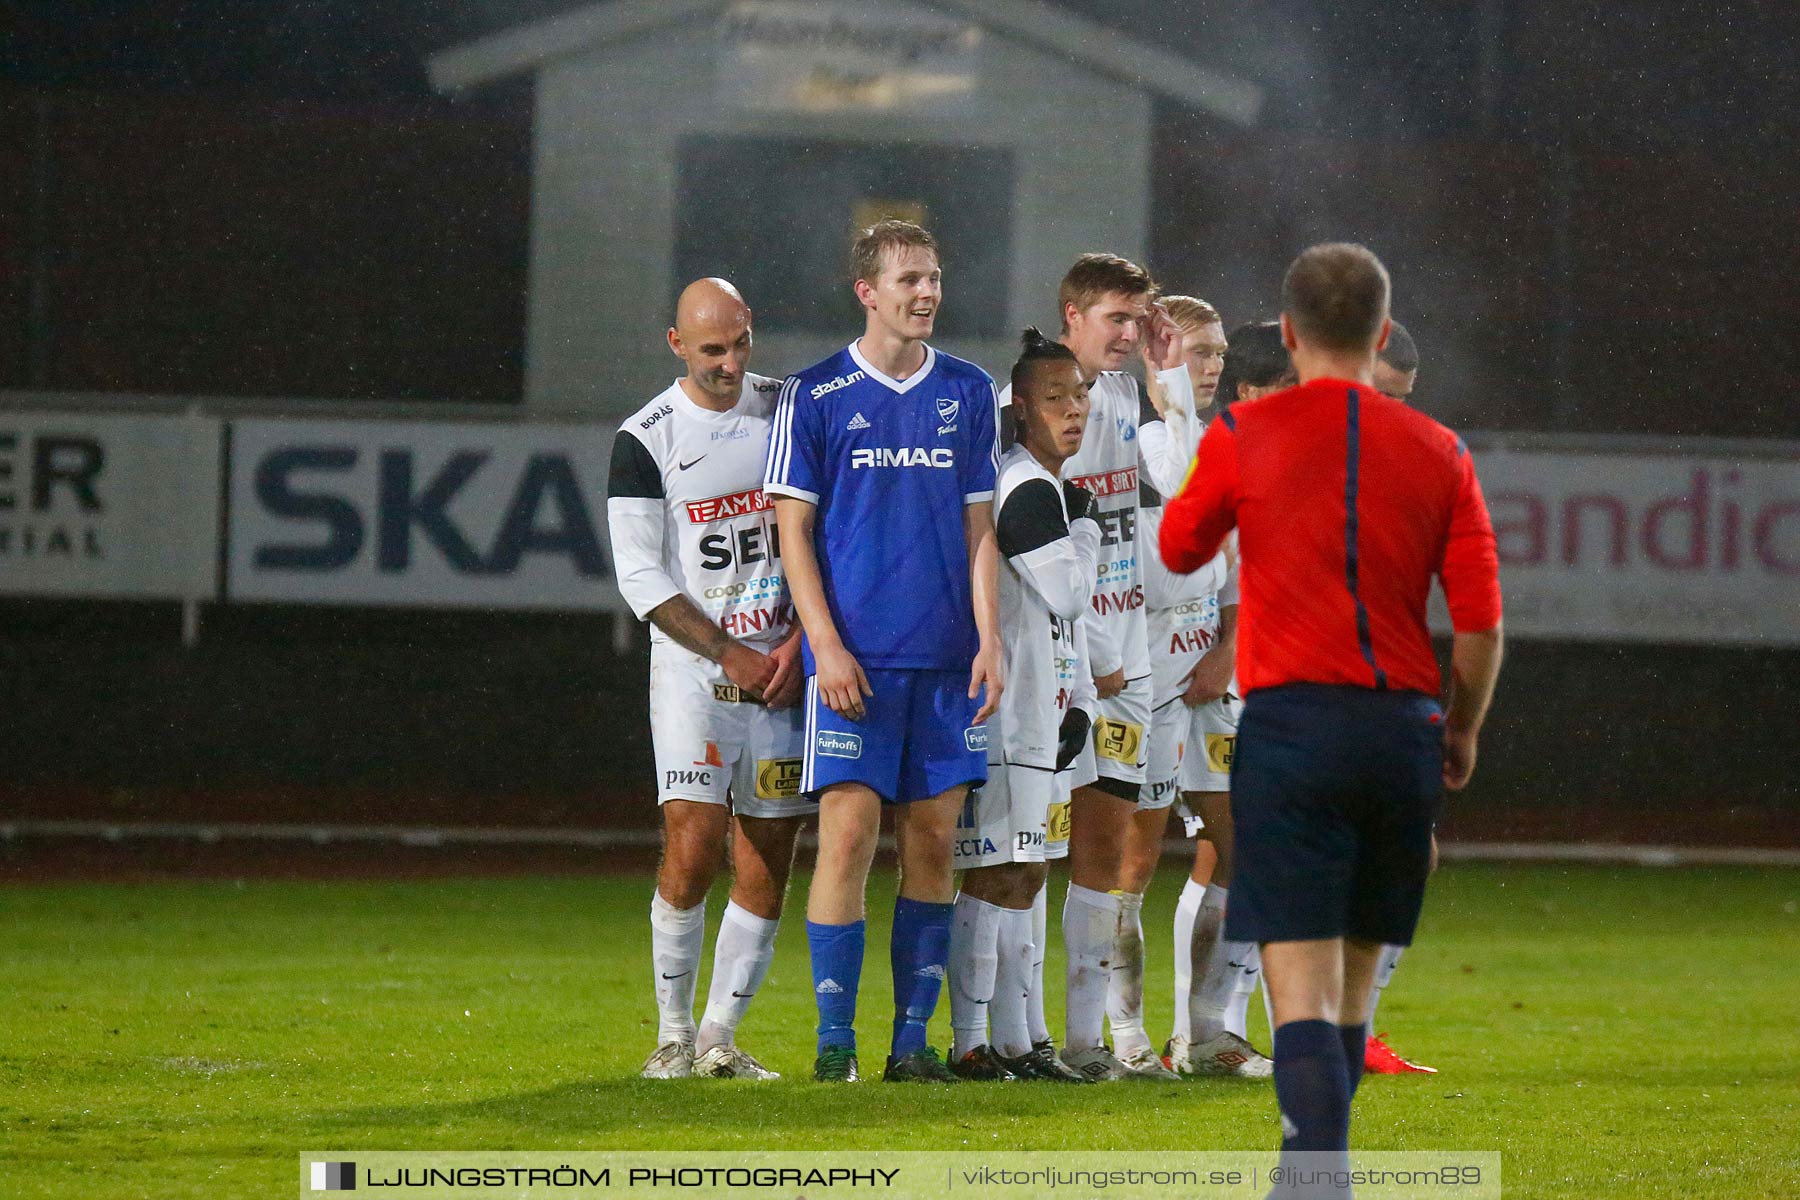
{"points": [[677, 936], [741, 956], [1009, 1029], [1186, 909], [1090, 922], [1125, 988], [974, 959], [1040, 938]]}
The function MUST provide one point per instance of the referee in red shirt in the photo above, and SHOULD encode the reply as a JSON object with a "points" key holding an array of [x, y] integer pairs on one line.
{"points": [[1346, 504]]}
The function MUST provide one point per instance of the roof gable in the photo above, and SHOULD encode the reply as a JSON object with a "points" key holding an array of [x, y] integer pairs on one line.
{"points": [[1030, 22]]}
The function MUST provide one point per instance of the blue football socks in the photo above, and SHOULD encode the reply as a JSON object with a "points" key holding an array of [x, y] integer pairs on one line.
{"points": [[837, 957], [918, 951], [1354, 1039], [1312, 1086]]}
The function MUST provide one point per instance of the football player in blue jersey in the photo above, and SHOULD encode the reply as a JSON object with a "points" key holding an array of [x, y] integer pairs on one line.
{"points": [[882, 468]]}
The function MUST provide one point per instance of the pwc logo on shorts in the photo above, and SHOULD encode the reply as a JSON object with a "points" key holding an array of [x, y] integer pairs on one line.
{"points": [[975, 738], [1118, 740], [828, 743], [1028, 841]]}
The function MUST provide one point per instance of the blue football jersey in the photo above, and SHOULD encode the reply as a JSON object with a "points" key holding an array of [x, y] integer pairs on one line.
{"points": [[890, 465]]}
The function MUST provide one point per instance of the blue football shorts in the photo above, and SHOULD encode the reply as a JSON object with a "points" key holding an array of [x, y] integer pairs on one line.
{"points": [[917, 737]]}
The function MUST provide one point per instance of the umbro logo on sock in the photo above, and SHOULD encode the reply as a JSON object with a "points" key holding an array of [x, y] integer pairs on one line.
{"points": [[858, 422], [829, 987]]}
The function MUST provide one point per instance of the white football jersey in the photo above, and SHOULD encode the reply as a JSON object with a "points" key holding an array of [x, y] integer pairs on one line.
{"points": [[1107, 465], [687, 513], [1047, 578], [1166, 448]]}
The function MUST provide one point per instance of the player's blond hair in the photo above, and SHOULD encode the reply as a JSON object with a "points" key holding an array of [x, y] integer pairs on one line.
{"points": [[1190, 312], [1096, 276], [872, 245]]}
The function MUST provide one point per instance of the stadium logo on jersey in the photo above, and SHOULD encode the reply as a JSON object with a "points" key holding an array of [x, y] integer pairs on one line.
{"points": [[730, 435], [777, 778], [842, 381], [723, 508], [947, 410], [905, 456], [1109, 483], [975, 737], [1118, 740], [1221, 748], [858, 422], [832, 744]]}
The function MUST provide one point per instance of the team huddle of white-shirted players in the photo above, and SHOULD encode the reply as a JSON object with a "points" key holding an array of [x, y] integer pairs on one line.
{"points": [[1118, 705]]}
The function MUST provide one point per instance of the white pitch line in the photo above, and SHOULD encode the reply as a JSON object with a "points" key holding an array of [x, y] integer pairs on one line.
{"points": [[211, 833]]}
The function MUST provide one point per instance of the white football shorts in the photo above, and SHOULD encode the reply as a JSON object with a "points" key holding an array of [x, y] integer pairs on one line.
{"points": [[1005, 819], [715, 747], [1120, 740], [1211, 744]]}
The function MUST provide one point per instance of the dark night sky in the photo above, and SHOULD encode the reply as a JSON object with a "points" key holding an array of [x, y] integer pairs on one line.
{"points": [[1393, 68]]}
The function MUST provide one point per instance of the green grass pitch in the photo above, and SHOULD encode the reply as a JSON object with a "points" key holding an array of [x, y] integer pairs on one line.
{"points": [[1623, 1032]]}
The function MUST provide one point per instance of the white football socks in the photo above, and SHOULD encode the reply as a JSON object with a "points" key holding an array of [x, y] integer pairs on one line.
{"points": [[1018, 959], [1384, 973], [1237, 1008], [741, 956], [676, 938], [1040, 938], [974, 958], [1186, 909], [1210, 989], [1125, 987], [1090, 922]]}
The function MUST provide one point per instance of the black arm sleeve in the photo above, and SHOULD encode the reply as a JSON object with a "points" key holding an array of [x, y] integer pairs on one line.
{"points": [[1031, 517], [634, 472]]}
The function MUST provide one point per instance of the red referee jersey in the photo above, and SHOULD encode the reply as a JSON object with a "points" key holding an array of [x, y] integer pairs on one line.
{"points": [[1346, 504]]}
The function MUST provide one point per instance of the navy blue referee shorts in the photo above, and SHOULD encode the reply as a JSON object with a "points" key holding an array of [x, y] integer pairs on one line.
{"points": [[1334, 792]]}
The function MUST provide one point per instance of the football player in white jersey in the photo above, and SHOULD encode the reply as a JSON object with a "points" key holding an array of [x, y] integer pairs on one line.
{"points": [[695, 551], [1050, 545], [1107, 306]]}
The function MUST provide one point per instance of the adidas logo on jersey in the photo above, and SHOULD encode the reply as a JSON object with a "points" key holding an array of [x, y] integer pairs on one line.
{"points": [[829, 987], [858, 422]]}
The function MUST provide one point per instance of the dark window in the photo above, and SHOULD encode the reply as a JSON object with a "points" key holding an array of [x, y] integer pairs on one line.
{"points": [[776, 216]]}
